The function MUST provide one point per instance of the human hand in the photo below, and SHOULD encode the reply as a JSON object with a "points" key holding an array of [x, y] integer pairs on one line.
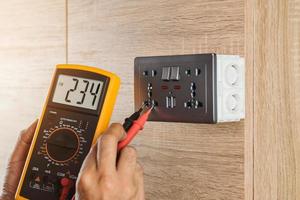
{"points": [[16, 163], [103, 176]]}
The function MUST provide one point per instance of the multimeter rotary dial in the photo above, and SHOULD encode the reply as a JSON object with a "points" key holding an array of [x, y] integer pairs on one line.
{"points": [[62, 145]]}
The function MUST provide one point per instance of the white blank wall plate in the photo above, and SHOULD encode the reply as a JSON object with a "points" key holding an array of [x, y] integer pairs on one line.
{"points": [[230, 88]]}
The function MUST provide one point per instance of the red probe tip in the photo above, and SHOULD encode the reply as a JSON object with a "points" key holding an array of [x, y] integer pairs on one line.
{"points": [[149, 110], [135, 128]]}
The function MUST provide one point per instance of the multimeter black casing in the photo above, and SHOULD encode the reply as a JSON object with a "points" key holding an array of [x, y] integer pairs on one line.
{"points": [[64, 136]]}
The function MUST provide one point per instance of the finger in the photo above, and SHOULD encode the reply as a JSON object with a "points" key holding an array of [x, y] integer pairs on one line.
{"points": [[90, 161], [127, 162], [107, 147], [23, 143], [139, 175]]}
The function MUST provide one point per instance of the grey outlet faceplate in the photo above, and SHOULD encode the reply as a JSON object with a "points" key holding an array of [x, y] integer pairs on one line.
{"points": [[182, 87]]}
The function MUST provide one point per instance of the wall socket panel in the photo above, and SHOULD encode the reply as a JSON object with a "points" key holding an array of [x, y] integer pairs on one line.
{"points": [[200, 88]]}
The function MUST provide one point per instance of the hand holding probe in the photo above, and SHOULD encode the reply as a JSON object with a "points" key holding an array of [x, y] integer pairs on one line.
{"points": [[132, 126]]}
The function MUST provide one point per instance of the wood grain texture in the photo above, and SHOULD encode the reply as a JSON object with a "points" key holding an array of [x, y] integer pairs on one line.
{"points": [[249, 125], [32, 42], [276, 100], [181, 161], [294, 22]]}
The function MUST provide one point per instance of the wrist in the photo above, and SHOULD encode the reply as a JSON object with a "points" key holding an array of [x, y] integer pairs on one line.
{"points": [[7, 193], [7, 196]]}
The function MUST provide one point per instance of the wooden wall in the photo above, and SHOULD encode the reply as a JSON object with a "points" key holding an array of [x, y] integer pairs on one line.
{"points": [[32, 42], [181, 161], [257, 158]]}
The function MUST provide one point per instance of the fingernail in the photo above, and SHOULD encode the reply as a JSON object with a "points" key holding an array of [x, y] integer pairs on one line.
{"points": [[124, 135], [33, 125]]}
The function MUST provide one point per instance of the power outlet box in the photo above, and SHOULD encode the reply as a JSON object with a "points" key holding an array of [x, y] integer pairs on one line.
{"points": [[200, 88]]}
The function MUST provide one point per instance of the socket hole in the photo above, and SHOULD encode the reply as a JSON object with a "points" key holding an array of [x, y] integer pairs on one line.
{"points": [[197, 71], [193, 94], [232, 102], [145, 73], [193, 86], [232, 74], [153, 73], [188, 72]]}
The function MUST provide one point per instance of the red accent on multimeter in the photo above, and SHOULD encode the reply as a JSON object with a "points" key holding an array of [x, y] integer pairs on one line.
{"points": [[66, 186], [77, 110]]}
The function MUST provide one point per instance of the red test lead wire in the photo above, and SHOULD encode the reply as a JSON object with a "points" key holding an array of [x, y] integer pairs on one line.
{"points": [[134, 129]]}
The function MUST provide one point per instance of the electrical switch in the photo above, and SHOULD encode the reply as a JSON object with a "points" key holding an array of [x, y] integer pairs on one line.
{"points": [[174, 73], [165, 76]]}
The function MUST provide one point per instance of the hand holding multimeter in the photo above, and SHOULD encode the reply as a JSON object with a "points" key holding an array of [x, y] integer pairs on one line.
{"points": [[77, 110]]}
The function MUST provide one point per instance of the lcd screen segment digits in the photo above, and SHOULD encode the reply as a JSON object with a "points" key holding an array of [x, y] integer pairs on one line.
{"points": [[78, 92]]}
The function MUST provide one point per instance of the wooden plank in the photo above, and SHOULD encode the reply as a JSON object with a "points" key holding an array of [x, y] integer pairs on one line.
{"points": [[181, 161], [276, 93], [294, 21], [32, 42], [249, 45]]}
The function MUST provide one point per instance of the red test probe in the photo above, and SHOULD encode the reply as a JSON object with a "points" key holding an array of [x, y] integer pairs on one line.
{"points": [[137, 125]]}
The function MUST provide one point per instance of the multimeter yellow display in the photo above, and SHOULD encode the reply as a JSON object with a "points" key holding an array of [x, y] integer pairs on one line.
{"points": [[77, 110]]}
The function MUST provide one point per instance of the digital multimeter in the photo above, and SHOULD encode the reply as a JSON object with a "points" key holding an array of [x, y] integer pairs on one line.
{"points": [[77, 110]]}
